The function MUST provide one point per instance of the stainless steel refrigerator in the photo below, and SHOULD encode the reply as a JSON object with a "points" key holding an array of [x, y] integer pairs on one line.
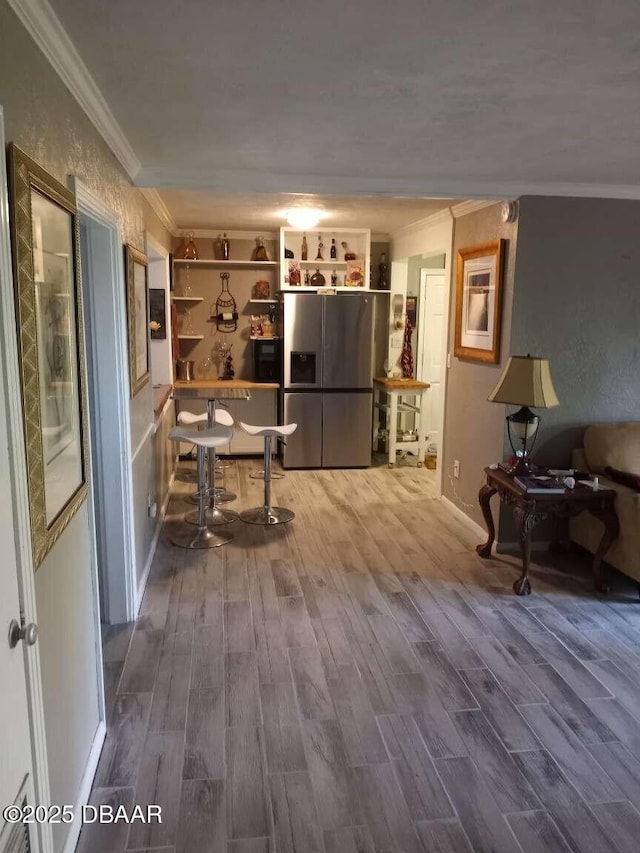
{"points": [[327, 382]]}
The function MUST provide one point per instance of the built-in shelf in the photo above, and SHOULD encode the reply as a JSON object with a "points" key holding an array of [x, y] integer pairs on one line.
{"points": [[187, 298], [264, 338], [180, 262], [340, 288], [190, 337], [334, 264], [273, 301]]}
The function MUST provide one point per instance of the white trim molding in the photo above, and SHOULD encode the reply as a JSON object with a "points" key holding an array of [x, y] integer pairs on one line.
{"points": [[462, 516], [160, 209], [434, 219], [44, 26], [464, 208], [85, 787]]}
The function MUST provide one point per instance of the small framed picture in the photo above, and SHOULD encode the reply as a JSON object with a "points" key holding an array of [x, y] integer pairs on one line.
{"points": [[138, 318], [479, 302]]}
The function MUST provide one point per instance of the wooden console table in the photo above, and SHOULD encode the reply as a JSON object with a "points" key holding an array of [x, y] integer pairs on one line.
{"points": [[531, 508]]}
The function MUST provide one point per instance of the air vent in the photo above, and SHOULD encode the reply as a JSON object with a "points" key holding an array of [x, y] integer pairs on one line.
{"points": [[15, 837]]}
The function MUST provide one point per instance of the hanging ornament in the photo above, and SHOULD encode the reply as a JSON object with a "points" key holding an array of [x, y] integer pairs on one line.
{"points": [[406, 359], [226, 314]]}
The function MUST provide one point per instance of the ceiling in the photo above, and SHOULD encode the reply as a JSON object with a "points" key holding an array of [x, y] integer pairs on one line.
{"points": [[451, 98]]}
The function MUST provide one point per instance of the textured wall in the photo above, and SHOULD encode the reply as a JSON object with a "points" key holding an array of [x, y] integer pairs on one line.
{"points": [[474, 428], [577, 303]]}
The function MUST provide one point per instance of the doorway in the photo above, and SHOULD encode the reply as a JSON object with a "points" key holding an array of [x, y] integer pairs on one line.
{"points": [[108, 387], [432, 349]]}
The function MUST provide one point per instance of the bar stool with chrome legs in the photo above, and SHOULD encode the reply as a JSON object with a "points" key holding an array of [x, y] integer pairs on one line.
{"points": [[222, 418], [268, 514], [258, 474], [207, 439], [189, 419]]}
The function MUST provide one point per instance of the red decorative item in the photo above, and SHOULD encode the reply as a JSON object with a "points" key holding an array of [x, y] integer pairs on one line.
{"points": [[406, 359]]}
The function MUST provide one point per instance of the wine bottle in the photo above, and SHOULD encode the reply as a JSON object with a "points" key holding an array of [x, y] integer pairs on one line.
{"points": [[334, 278], [304, 250], [224, 245], [333, 252]]}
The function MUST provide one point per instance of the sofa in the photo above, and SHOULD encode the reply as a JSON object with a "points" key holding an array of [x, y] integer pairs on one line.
{"points": [[605, 447]]}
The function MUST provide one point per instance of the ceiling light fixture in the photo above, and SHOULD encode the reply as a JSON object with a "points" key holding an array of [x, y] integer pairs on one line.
{"points": [[303, 217]]}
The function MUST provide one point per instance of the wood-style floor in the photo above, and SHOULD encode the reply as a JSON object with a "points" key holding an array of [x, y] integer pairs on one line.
{"points": [[361, 681]]}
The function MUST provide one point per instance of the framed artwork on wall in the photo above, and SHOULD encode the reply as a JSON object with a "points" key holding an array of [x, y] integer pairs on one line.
{"points": [[157, 314], [479, 302], [137, 318], [44, 230]]}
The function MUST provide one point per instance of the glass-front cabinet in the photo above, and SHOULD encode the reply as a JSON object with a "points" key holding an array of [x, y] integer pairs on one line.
{"points": [[339, 258]]}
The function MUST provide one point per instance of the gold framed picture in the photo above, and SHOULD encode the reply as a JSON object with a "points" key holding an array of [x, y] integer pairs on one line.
{"points": [[136, 268], [44, 231], [479, 302]]}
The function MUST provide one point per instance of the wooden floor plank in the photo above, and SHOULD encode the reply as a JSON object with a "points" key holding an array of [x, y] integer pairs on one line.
{"points": [[537, 833], [159, 782], [443, 836], [501, 775], [573, 818], [478, 812], [314, 696], [246, 794], [202, 816]]}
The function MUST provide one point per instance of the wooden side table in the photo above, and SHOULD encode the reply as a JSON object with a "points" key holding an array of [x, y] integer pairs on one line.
{"points": [[529, 509], [396, 390]]}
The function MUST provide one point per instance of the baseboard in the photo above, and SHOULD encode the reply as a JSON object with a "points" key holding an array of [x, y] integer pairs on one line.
{"points": [[471, 524], [85, 787], [154, 544]]}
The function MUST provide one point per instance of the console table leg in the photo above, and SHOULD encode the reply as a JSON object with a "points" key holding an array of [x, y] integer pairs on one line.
{"points": [[611, 530], [484, 497], [524, 521]]}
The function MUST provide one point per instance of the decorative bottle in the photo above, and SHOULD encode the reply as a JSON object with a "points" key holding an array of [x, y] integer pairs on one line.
{"points": [[333, 252], [383, 272], [190, 251], [319, 256], [224, 246], [304, 250], [334, 278]]}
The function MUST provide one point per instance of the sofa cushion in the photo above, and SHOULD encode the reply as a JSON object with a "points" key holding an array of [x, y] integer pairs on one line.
{"points": [[623, 477], [614, 446]]}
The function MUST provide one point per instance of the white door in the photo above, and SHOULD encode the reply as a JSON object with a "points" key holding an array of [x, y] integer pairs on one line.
{"points": [[432, 349], [16, 776], [16, 761]]}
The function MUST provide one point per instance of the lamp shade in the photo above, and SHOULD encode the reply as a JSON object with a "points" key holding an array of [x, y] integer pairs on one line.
{"points": [[526, 381]]}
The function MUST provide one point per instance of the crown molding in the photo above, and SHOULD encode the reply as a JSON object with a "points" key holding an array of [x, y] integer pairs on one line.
{"points": [[464, 208], [440, 217], [160, 209], [45, 28]]}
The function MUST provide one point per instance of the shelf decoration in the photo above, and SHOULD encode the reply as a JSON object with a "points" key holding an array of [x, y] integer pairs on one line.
{"points": [[190, 251], [319, 256], [406, 359], [355, 274], [348, 254], [261, 290], [226, 314], [260, 253], [293, 277]]}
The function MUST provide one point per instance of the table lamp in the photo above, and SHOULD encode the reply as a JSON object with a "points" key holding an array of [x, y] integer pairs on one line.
{"points": [[526, 382]]}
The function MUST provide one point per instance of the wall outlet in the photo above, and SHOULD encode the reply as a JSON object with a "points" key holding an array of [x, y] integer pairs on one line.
{"points": [[456, 469]]}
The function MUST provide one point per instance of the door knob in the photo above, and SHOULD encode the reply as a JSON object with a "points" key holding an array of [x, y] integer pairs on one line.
{"points": [[28, 633]]}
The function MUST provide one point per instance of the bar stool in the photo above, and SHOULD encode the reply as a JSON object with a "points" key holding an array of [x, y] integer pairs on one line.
{"points": [[268, 514], [222, 418], [207, 439], [189, 419]]}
